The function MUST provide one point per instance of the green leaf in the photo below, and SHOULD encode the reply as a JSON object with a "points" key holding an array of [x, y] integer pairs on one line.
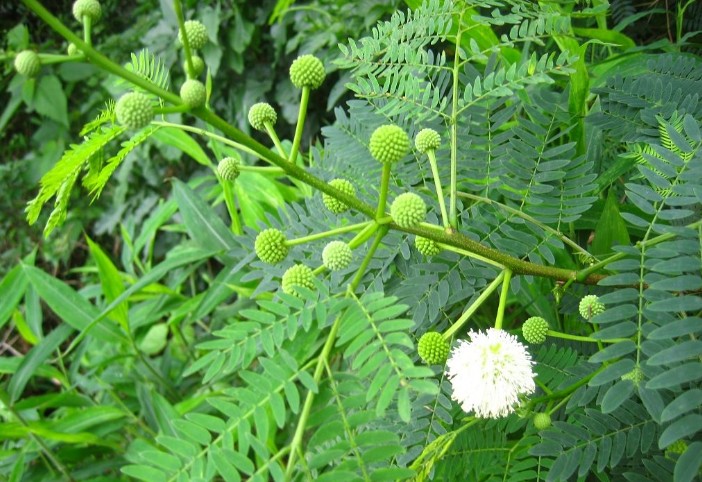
{"points": [[611, 228], [12, 288], [203, 224], [143, 472], [676, 353], [155, 339], [675, 376], [617, 394], [36, 357], [111, 283], [50, 100], [71, 307], [685, 402], [688, 466], [179, 139], [687, 426]]}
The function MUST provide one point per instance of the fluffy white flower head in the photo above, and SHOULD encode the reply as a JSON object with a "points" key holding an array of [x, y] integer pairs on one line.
{"points": [[489, 373]]}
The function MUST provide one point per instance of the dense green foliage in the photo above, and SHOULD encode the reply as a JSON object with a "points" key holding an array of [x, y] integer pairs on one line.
{"points": [[258, 313]]}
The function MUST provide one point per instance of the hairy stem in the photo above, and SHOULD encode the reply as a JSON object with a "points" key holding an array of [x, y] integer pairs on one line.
{"points": [[384, 186], [274, 137], [186, 42], [503, 298], [453, 216], [566, 336], [474, 306], [231, 207], [304, 100], [439, 191]]}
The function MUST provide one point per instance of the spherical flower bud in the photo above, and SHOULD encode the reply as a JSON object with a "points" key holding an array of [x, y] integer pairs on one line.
{"points": [[332, 203], [228, 169], [678, 447], [433, 348], [542, 421], [636, 375], [590, 306], [296, 277], [27, 63], [426, 246], [260, 114], [490, 373], [73, 49], [336, 255], [408, 210], [87, 8], [134, 110], [427, 140], [198, 67], [534, 330], [196, 33], [270, 246], [307, 71], [388, 144], [193, 93]]}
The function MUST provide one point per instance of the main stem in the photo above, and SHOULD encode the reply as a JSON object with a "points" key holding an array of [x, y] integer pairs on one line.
{"points": [[304, 100], [233, 134]]}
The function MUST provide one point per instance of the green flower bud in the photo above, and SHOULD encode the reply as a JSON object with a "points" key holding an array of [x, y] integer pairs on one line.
{"points": [[307, 71], [295, 277], [636, 375], [542, 421], [27, 63], [87, 8], [196, 33], [336, 255], [260, 114], [408, 210], [590, 306], [270, 246], [73, 49], [427, 140], [426, 246], [534, 330], [193, 93], [198, 67], [228, 169], [388, 144], [678, 447], [134, 110], [433, 348], [332, 203]]}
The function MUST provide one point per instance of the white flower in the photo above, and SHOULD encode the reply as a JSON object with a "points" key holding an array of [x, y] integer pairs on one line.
{"points": [[489, 373]]}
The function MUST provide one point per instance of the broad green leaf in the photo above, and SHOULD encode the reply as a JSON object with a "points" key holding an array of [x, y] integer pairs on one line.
{"points": [[111, 282], [611, 229], [676, 376], [155, 339], [685, 402], [176, 258], [174, 137], [50, 100], [12, 288], [71, 307], [616, 395], [36, 357], [143, 472], [685, 427], [202, 223], [688, 466]]}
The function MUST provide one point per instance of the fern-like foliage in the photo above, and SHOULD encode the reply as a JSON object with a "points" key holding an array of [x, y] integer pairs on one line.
{"points": [[147, 65]]}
